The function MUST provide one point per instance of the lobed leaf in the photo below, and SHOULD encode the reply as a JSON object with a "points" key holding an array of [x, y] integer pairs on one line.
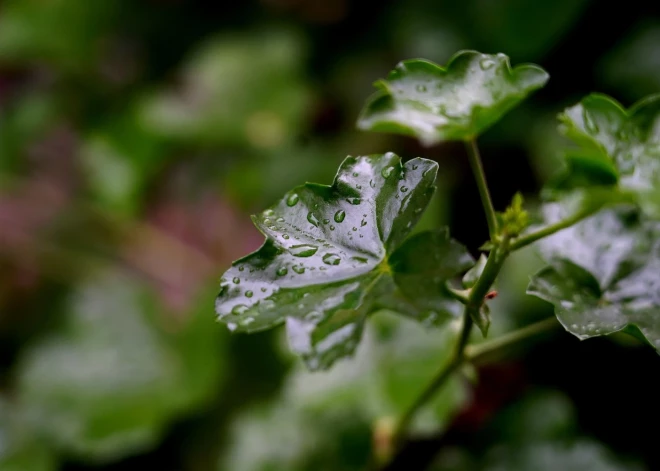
{"points": [[603, 276], [615, 146], [335, 254], [457, 102]]}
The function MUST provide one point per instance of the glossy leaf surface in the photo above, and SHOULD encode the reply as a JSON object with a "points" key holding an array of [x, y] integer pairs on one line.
{"points": [[457, 102], [603, 276], [334, 254], [616, 145]]}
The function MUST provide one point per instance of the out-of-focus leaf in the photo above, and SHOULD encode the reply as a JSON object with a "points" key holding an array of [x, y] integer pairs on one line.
{"points": [[118, 160], [334, 254], [633, 65], [235, 91], [617, 145], [111, 379], [582, 455], [19, 449], [392, 365], [282, 437], [603, 276], [522, 423], [27, 26], [458, 102]]}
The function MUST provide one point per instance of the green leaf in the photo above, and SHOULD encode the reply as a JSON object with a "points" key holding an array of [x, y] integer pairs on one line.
{"points": [[581, 455], [391, 367], [473, 274], [224, 99], [19, 448], [616, 145], [603, 275], [334, 254], [110, 380], [458, 102]]}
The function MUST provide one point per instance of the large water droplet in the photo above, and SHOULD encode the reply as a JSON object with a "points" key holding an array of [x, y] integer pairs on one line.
{"points": [[239, 309], [303, 250], [282, 271], [331, 259], [313, 220], [486, 63], [298, 269], [387, 171], [340, 216], [589, 122], [292, 199], [249, 294], [236, 280]]}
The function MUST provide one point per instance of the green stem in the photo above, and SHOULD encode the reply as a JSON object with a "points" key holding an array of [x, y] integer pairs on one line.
{"points": [[552, 228], [470, 354], [486, 351], [479, 175], [440, 378]]}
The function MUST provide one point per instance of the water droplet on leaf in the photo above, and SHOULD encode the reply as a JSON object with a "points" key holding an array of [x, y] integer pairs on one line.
{"points": [[331, 259], [298, 269], [312, 219], [239, 309], [340, 216], [236, 280], [486, 63], [387, 171], [303, 250], [249, 294], [282, 271], [292, 199]]}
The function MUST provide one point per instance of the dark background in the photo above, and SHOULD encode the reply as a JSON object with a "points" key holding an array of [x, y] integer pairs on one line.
{"points": [[136, 137]]}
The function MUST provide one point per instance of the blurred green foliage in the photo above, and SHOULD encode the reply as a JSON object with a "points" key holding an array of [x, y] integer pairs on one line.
{"points": [[136, 137]]}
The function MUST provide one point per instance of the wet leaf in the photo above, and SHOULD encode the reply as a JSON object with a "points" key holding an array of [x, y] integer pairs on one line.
{"points": [[108, 383], [615, 146], [334, 254], [603, 275], [457, 102]]}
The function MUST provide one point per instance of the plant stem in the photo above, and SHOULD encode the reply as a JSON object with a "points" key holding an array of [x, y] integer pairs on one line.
{"points": [[492, 348], [552, 228], [470, 354], [478, 170], [440, 378]]}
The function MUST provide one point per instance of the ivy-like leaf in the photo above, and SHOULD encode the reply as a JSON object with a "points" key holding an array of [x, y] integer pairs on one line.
{"points": [[458, 102], [615, 145], [603, 276], [334, 254]]}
